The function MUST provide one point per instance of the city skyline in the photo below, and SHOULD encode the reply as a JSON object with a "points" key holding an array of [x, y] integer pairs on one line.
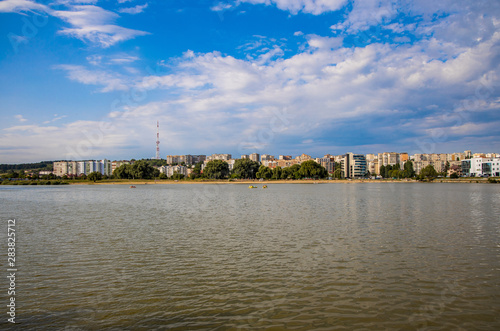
{"points": [[90, 79]]}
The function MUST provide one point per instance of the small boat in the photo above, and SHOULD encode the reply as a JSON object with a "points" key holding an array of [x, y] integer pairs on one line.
{"points": [[265, 186], [132, 186], [251, 186]]}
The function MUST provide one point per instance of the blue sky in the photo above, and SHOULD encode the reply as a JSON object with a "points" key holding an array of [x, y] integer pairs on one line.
{"points": [[89, 79]]}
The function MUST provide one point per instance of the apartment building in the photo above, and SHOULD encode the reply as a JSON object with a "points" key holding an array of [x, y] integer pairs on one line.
{"points": [[255, 157], [223, 157], [186, 159], [328, 163], [170, 170], [353, 165], [481, 166], [77, 168]]}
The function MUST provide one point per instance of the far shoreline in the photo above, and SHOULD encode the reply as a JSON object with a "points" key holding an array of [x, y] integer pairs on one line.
{"points": [[133, 182]]}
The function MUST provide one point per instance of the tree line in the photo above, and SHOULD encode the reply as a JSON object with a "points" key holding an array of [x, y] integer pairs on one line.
{"points": [[248, 169]]}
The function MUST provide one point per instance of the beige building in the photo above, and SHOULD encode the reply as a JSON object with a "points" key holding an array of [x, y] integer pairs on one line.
{"points": [[255, 157], [327, 163], [223, 157], [303, 157]]}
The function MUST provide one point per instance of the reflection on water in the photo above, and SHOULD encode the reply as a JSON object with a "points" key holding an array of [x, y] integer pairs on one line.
{"points": [[331, 256]]}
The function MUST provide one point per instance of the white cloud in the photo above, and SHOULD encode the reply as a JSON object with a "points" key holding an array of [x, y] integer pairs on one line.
{"points": [[18, 6], [93, 24], [109, 81], [315, 7], [133, 10], [223, 101], [20, 118], [55, 119], [221, 6]]}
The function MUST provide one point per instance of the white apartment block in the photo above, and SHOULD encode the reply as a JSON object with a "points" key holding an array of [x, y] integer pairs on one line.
{"points": [[481, 166], [77, 168], [171, 170]]}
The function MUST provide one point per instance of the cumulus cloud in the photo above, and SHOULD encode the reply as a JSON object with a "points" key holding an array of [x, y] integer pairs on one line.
{"points": [[315, 7], [441, 83]]}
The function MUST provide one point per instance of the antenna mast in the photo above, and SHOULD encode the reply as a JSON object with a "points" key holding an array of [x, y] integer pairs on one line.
{"points": [[157, 140]]}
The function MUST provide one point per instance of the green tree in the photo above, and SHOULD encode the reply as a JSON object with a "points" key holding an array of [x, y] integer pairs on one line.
{"points": [[454, 175], [295, 171], [446, 168], [428, 173], [277, 173], [408, 168], [312, 169], [285, 173], [337, 173], [264, 172], [123, 172], [94, 176], [177, 176], [216, 169], [245, 168], [382, 171], [196, 173]]}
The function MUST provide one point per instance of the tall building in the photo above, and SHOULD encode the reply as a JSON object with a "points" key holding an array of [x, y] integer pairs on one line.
{"points": [[255, 157], [353, 165]]}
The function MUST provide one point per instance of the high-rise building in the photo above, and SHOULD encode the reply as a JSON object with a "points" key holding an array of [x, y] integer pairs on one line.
{"points": [[255, 157], [353, 165]]}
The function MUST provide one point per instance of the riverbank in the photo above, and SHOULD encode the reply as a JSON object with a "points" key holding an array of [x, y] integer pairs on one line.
{"points": [[134, 182], [268, 182]]}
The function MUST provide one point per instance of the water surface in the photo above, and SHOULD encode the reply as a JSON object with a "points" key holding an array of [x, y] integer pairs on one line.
{"points": [[220, 257]]}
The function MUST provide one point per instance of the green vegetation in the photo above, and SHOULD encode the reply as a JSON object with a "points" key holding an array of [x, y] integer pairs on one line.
{"points": [[139, 170], [396, 172], [44, 165], [264, 172], [216, 169], [94, 176], [245, 168], [428, 174], [177, 176], [155, 162], [308, 169], [312, 169], [33, 182]]}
